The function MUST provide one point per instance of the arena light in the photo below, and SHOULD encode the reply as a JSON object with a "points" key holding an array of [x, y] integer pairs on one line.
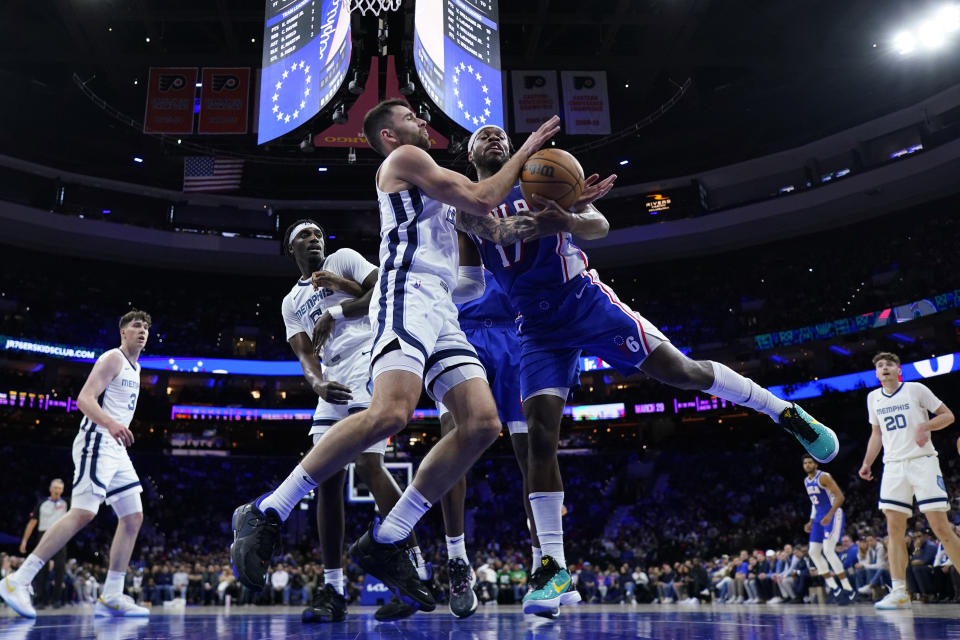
{"points": [[931, 35], [904, 42], [948, 18]]}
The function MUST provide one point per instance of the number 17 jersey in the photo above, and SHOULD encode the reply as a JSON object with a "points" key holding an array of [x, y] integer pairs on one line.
{"points": [[898, 415]]}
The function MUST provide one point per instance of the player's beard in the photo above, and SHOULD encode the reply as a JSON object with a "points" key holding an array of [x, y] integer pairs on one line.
{"points": [[490, 163], [420, 139]]}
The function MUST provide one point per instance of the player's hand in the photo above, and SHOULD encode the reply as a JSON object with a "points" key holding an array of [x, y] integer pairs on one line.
{"points": [[593, 190], [807, 527], [121, 434], [322, 331], [333, 392], [922, 435], [825, 520], [327, 280], [865, 473], [550, 218], [537, 139], [23, 547]]}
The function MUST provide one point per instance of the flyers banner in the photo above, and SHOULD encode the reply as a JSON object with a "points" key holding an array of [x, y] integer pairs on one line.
{"points": [[224, 100], [351, 133], [535, 98], [170, 99], [586, 108]]}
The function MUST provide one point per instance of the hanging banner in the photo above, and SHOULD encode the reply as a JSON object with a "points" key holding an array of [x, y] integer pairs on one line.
{"points": [[170, 100], [224, 100], [351, 133], [586, 108], [535, 99]]}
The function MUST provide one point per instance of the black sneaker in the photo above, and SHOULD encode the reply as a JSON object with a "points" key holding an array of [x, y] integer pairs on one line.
{"points": [[256, 538], [327, 606], [391, 565], [463, 601], [396, 609], [819, 440]]}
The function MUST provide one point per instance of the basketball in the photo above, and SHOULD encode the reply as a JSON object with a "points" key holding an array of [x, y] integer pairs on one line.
{"points": [[553, 174]]}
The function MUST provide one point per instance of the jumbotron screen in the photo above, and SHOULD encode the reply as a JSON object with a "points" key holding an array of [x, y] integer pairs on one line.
{"points": [[456, 52], [306, 54]]}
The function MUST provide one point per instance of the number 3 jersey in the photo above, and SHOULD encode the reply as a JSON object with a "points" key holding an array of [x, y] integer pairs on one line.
{"points": [[898, 415], [119, 398], [303, 306]]}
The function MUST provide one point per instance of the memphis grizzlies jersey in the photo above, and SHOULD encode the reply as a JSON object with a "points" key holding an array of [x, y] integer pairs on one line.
{"points": [[119, 399], [528, 271], [898, 415], [303, 306], [493, 308], [417, 237], [820, 498]]}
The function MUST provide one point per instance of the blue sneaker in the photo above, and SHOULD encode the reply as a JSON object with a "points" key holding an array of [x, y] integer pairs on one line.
{"points": [[819, 440], [841, 596], [550, 588]]}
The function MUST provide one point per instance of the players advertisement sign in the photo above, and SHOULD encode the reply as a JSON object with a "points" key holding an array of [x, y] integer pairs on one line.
{"points": [[170, 98], [586, 108], [224, 100], [535, 98]]}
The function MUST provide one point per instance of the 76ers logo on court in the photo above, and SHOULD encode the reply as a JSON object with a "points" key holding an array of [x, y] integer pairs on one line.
{"points": [[630, 344]]}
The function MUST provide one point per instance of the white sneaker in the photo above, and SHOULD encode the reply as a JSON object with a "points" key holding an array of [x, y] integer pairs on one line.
{"points": [[121, 606], [894, 600], [865, 589], [776, 600], [17, 597]]}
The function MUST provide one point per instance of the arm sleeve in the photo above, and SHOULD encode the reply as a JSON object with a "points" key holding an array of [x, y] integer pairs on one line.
{"points": [[470, 284], [290, 318], [351, 265]]}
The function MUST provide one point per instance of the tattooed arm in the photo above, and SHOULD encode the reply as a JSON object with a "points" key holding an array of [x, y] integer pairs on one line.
{"points": [[497, 230]]}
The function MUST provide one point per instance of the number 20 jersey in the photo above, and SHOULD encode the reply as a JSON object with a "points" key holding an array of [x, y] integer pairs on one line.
{"points": [[528, 271], [898, 415]]}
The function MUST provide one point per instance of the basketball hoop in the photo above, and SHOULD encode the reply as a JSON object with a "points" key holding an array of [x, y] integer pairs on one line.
{"points": [[376, 7]]}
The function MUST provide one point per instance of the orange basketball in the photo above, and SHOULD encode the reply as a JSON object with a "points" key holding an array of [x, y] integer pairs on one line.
{"points": [[553, 174]]}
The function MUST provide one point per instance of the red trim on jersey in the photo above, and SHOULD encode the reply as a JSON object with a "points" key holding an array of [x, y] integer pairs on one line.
{"points": [[563, 262], [613, 298]]}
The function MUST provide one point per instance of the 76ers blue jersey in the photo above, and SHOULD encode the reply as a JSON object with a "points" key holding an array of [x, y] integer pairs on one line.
{"points": [[820, 498], [490, 309], [526, 271]]}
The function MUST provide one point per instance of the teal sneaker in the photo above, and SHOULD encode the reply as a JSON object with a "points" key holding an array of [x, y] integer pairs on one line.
{"points": [[551, 586], [819, 440]]}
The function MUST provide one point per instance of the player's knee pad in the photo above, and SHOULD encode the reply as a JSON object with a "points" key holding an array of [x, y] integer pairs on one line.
{"points": [[128, 504]]}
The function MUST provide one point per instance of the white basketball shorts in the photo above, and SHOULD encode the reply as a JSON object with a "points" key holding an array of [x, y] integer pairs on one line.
{"points": [[102, 470], [915, 477]]}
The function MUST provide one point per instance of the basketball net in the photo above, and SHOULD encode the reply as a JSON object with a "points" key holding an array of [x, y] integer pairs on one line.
{"points": [[376, 7]]}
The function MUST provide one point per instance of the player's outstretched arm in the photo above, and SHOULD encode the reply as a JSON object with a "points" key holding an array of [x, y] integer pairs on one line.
{"points": [[497, 230], [415, 166], [104, 371], [873, 450], [331, 391], [589, 224]]}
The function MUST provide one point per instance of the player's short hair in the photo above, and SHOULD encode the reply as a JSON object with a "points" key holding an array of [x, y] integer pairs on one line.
{"points": [[807, 455], [285, 239], [379, 118], [135, 314], [56, 481], [886, 355]]}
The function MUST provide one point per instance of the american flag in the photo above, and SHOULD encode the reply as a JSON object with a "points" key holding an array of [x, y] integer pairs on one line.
{"points": [[203, 173]]}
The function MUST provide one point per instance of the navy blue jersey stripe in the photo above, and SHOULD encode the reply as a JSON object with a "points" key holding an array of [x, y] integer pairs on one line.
{"points": [[324, 422], [899, 504], [413, 239], [929, 500], [83, 457], [437, 356], [123, 488], [93, 462]]}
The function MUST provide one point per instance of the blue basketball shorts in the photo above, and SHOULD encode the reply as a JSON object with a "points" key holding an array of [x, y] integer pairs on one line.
{"points": [[830, 533], [583, 315]]}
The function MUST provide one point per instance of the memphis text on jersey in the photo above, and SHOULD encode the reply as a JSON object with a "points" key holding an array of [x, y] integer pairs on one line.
{"points": [[892, 408]]}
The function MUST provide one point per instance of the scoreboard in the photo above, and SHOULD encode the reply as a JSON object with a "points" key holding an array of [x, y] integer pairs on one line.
{"points": [[306, 54], [456, 53]]}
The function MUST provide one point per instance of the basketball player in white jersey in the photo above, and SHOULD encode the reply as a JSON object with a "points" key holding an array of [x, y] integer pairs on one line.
{"points": [[327, 310], [102, 472], [900, 417], [417, 343]]}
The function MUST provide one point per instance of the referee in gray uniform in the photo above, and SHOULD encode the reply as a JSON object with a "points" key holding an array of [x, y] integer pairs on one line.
{"points": [[43, 516]]}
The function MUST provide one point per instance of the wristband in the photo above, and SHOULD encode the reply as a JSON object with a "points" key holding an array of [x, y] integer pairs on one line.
{"points": [[336, 312]]}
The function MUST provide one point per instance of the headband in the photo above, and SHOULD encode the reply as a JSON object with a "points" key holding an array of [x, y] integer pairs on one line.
{"points": [[300, 227], [473, 138]]}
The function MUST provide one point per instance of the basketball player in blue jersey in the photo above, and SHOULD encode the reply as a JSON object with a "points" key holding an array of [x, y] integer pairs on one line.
{"points": [[826, 528], [490, 326], [564, 308], [103, 473], [417, 344], [902, 415], [326, 310]]}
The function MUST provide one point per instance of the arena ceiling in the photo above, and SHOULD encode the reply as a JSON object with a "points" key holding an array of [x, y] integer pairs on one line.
{"points": [[765, 76]]}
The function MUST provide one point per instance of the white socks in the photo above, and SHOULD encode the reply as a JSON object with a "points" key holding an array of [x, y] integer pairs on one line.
{"points": [[730, 385], [898, 585], [846, 583], [113, 585], [285, 497], [831, 582], [405, 514], [537, 557], [457, 548], [28, 570], [546, 506], [334, 578]]}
